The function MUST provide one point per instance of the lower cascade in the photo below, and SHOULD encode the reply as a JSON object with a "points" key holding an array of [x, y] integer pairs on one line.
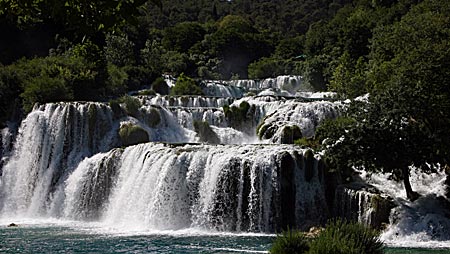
{"points": [[257, 188]]}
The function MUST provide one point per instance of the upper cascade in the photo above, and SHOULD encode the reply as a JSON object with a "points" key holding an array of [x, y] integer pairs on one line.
{"points": [[286, 85]]}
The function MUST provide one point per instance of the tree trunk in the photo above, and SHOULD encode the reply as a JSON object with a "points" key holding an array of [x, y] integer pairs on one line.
{"points": [[410, 194]]}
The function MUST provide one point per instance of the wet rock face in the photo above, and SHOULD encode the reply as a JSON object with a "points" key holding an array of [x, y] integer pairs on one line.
{"points": [[363, 203]]}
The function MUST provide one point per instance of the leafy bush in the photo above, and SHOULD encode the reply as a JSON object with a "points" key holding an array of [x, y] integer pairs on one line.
{"points": [[186, 86], [290, 242], [160, 86], [341, 237], [56, 78], [9, 91], [119, 50], [117, 80], [132, 105], [138, 77], [266, 68], [45, 89]]}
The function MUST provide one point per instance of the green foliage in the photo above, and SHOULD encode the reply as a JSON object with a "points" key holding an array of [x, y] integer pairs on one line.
{"points": [[349, 78], [175, 62], [119, 50], [117, 80], [290, 242], [138, 77], [186, 86], [54, 78], [290, 48], [340, 237], [9, 92], [404, 121], [131, 105], [182, 36], [160, 86], [267, 67], [45, 89], [73, 16]]}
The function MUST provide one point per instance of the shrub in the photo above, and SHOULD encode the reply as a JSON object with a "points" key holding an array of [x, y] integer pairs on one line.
{"points": [[341, 237], [290, 242], [132, 105], [160, 86], [138, 77], [186, 86], [45, 89], [116, 83]]}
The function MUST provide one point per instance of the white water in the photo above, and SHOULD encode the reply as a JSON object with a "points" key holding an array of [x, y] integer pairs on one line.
{"points": [[423, 223], [191, 188], [155, 187], [283, 85], [53, 139], [165, 188]]}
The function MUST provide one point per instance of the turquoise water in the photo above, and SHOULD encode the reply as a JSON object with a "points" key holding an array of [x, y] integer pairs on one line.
{"points": [[63, 239]]}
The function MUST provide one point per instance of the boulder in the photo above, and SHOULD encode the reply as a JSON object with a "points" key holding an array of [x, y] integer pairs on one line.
{"points": [[131, 134]]}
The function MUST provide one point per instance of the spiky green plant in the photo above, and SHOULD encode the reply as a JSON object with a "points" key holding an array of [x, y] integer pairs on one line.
{"points": [[290, 242], [342, 237]]}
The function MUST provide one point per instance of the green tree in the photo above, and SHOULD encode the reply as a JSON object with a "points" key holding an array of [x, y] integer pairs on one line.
{"points": [[406, 121], [186, 86], [76, 17], [182, 36]]}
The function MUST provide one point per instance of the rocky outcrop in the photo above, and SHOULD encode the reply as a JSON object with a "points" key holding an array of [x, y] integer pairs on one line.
{"points": [[363, 203], [131, 134]]}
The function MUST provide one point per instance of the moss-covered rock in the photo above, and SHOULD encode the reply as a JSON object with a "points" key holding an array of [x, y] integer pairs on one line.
{"points": [[242, 117], [357, 200], [131, 134], [117, 110], [152, 117], [289, 134], [132, 105], [205, 132]]}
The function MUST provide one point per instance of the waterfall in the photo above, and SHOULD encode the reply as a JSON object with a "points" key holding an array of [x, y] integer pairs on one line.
{"points": [[257, 188], [422, 223], [52, 140], [287, 85], [187, 101]]}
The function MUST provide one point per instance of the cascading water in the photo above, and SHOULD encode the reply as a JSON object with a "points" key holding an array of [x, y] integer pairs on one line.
{"points": [[423, 223], [66, 164], [52, 140], [236, 88], [256, 188]]}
